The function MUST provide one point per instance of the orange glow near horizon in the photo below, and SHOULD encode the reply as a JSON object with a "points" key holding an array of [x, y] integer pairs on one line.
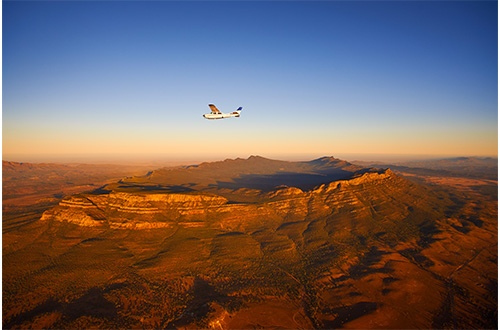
{"points": [[30, 147]]}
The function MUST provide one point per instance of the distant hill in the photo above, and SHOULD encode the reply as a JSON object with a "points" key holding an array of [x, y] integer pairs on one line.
{"points": [[473, 167], [254, 173], [464, 164], [24, 179]]}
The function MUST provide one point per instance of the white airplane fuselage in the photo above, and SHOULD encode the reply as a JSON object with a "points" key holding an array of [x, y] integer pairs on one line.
{"points": [[222, 115]]}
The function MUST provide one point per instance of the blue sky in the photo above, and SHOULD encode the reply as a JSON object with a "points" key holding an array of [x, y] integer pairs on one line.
{"points": [[129, 79]]}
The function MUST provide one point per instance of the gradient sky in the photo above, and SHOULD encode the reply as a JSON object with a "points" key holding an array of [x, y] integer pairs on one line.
{"points": [[130, 79]]}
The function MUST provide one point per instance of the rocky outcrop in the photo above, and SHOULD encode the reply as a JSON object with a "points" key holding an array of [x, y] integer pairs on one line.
{"points": [[131, 210], [360, 196], [285, 192], [366, 178]]}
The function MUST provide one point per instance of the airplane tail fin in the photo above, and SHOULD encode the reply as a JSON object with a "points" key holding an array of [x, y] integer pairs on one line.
{"points": [[239, 109]]}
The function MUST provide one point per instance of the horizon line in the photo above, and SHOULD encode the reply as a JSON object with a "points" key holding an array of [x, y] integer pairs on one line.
{"points": [[121, 159]]}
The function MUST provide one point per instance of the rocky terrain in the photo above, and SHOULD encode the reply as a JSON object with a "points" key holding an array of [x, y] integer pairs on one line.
{"points": [[29, 189], [257, 243], [139, 209]]}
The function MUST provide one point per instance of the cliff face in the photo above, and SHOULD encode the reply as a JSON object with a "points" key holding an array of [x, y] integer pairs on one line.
{"points": [[381, 193], [131, 210]]}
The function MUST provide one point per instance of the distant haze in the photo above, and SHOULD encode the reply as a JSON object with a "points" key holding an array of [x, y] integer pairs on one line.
{"points": [[159, 160], [100, 81]]}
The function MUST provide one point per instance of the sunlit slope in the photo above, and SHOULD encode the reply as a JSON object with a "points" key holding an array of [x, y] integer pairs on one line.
{"points": [[372, 203]]}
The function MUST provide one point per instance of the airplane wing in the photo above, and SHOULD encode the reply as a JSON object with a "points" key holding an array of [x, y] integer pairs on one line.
{"points": [[214, 108]]}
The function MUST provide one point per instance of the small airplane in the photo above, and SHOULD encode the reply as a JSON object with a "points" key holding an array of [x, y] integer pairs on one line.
{"points": [[216, 114]]}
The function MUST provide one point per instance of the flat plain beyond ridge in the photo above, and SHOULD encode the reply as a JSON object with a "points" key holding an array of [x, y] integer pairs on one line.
{"points": [[250, 243]]}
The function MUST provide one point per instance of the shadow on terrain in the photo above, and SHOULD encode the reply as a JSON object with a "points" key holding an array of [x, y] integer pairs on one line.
{"points": [[364, 267], [92, 303], [389, 280], [231, 233], [304, 181], [200, 306], [138, 188], [427, 234], [414, 255], [348, 313], [46, 307]]}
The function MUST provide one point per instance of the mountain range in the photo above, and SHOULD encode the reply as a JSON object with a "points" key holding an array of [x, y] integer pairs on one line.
{"points": [[470, 167], [256, 243]]}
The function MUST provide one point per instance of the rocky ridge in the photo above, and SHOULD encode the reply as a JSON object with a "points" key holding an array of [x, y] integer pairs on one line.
{"points": [[142, 210]]}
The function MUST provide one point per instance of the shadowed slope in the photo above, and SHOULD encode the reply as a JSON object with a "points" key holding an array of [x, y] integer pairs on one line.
{"points": [[254, 173]]}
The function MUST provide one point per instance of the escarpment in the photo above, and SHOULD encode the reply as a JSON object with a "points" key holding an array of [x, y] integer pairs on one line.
{"points": [[132, 210], [380, 193]]}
